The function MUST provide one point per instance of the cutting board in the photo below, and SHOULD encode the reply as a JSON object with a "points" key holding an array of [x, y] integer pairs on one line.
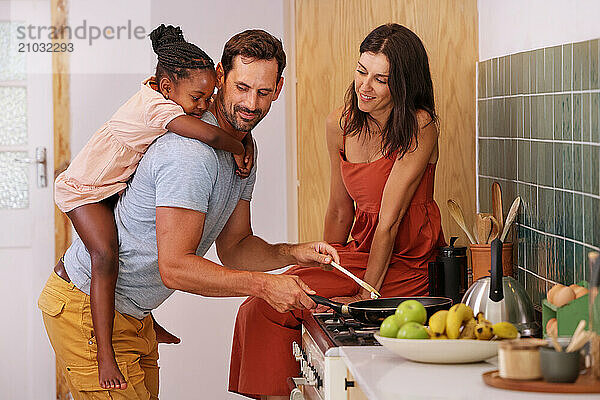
{"points": [[584, 384]]}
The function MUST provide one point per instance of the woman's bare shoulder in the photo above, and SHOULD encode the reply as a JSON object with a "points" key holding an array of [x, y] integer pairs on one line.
{"points": [[424, 119], [427, 136], [427, 126], [333, 128], [333, 119]]}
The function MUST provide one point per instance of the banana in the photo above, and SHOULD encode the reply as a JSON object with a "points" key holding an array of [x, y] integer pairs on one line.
{"points": [[468, 331], [435, 335], [484, 331], [430, 332], [437, 322], [505, 330], [481, 319], [457, 315]]}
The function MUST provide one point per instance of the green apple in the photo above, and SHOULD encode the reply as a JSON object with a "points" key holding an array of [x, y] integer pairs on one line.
{"points": [[412, 330], [411, 311], [389, 327]]}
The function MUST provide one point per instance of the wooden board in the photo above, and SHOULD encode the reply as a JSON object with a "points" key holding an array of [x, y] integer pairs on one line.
{"points": [[59, 11], [584, 384], [62, 123], [328, 34]]}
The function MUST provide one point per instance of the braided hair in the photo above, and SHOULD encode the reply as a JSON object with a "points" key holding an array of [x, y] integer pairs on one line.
{"points": [[176, 56]]}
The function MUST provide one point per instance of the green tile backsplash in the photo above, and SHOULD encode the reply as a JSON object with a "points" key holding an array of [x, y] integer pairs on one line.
{"points": [[538, 115]]}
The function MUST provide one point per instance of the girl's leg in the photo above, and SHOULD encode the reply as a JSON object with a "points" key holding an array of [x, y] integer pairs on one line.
{"points": [[162, 335], [95, 225]]}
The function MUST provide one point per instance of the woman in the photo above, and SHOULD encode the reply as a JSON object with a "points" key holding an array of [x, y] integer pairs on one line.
{"points": [[383, 146]]}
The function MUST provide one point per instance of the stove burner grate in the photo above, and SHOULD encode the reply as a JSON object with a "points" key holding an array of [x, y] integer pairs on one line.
{"points": [[346, 331]]}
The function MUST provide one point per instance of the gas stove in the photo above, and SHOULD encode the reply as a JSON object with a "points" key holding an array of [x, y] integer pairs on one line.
{"points": [[344, 331], [323, 373]]}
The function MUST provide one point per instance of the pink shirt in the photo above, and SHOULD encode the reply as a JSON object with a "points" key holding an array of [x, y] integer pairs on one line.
{"points": [[105, 164]]}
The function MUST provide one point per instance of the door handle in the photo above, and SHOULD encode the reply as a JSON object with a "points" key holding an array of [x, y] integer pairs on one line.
{"points": [[40, 161]]}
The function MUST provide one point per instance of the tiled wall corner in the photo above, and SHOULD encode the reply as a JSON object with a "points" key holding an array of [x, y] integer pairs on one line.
{"points": [[539, 137]]}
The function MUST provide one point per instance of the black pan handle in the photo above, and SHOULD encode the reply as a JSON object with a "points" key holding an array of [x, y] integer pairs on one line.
{"points": [[496, 292], [326, 302]]}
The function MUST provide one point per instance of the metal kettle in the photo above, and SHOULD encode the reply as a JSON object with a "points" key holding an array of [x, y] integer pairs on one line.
{"points": [[502, 298]]}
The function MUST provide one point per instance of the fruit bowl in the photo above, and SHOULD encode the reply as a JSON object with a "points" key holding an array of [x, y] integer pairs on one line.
{"points": [[441, 351]]}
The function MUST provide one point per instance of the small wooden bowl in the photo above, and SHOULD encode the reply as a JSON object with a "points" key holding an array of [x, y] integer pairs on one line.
{"points": [[520, 359]]}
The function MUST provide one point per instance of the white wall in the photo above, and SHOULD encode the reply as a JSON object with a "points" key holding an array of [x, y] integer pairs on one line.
{"points": [[511, 26], [198, 367]]}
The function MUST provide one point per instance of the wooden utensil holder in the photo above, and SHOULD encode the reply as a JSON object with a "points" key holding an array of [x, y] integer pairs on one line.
{"points": [[481, 260]]}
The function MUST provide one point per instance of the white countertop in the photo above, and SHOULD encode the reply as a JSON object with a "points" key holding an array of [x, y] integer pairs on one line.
{"points": [[383, 375]]}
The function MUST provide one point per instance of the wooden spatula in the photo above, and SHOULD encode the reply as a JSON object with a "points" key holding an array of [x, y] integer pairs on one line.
{"points": [[475, 233], [510, 218], [497, 205], [458, 216], [374, 293]]}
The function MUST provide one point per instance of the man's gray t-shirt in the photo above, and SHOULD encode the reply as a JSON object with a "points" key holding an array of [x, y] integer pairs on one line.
{"points": [[174, 172]]}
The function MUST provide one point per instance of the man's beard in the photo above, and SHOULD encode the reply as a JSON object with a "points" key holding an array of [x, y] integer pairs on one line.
{"points": [[236, 122]]}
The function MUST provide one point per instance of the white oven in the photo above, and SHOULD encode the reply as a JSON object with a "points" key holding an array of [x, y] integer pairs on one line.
{"points": [[322, 370], [323, 374]]}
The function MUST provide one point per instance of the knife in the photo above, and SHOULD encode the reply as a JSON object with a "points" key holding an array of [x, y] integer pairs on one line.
{"points": [[374, 293]]}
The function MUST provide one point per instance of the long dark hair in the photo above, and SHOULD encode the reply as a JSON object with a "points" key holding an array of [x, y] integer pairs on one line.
{"points": [[410, 86], [176, 56]]}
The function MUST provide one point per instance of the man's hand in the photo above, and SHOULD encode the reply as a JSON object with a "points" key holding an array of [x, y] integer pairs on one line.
{"points": [[315, 254], [343, 300], [286, 292]]}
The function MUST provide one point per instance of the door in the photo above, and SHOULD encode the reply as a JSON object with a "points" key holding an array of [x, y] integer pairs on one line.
{"points": [[26, 204]]}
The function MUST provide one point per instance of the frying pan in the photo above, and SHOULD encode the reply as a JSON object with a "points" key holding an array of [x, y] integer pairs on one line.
{"points": [[373, 312]]}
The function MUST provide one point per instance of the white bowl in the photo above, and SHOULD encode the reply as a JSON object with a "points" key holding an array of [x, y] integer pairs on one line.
{"points": [[441, 351]]}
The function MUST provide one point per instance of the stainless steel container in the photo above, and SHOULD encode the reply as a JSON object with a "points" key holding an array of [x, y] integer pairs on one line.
{"points": [[502, 298]]}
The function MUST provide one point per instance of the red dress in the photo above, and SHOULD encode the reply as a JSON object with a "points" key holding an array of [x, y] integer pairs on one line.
{"points": [[261, 357]]}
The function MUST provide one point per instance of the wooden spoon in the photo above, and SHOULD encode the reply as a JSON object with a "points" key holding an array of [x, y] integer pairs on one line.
{"points": [[484, 227], [575, 338], [577, 343], [497, 205], [458, 216], [557, 346], [495, 230], [510, 218]]}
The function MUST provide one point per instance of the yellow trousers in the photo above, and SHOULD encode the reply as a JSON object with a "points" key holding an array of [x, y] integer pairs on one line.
{"points": [[68, 320]]}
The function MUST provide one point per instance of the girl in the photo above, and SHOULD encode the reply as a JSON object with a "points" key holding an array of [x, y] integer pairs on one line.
{"points": [[172, 100]]}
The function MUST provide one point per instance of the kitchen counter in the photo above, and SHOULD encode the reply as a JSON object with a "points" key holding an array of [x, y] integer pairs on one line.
{"points": [[383, 375]]}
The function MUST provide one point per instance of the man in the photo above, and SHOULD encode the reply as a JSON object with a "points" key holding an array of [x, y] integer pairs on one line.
{"points": [[183, 197]]}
